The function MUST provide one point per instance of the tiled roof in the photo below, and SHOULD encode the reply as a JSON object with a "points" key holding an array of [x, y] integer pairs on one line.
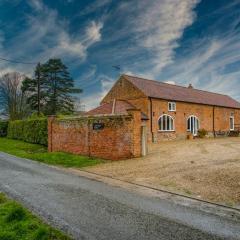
{"points": [[120, 107], [167, 91]]}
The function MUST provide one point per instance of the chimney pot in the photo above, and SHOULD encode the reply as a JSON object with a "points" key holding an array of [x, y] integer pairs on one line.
{"points": [[190, 86]]}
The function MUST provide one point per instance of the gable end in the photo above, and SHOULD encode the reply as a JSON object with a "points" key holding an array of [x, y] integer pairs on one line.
{"points": [[123, 90]]}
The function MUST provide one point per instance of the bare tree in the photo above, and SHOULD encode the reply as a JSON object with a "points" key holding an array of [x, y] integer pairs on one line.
{"points": [[12, 98]]}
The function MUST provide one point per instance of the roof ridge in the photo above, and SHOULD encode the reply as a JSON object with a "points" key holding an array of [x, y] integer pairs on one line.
{"points": [[160, 82]]}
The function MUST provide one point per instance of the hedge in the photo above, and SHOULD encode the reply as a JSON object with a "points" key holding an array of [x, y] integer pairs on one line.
{"points": [[31, 130], [3, 128]]}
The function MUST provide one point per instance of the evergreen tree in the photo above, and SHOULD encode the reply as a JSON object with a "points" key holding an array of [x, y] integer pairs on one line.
{"points": [[35, 89], [59, 87]]}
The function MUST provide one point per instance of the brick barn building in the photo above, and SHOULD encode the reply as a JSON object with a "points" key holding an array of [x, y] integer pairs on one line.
{"points": [[170, 111]]}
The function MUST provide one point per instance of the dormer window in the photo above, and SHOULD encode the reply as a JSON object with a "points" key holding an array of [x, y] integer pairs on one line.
{"points": [[171, 106]]}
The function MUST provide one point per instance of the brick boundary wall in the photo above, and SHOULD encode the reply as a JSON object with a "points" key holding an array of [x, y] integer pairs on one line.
{"points": [[120, 137]]}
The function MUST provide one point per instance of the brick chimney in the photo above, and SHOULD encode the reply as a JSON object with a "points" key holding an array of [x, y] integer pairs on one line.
{"points": [[190, 86]]}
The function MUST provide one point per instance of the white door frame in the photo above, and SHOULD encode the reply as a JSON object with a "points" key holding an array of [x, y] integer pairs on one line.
{"points": [[231, 119], [193, 125], [144, 139]]}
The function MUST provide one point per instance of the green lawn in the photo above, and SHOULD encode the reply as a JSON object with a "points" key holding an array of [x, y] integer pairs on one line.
{"points": [[17, 223], [39, 153]]}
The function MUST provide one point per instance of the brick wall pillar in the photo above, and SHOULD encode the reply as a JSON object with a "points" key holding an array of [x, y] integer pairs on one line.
{"points": [[50, 122], [136, 132]]}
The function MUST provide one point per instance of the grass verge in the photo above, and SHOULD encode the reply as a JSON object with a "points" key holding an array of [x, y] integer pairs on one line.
{"points": [[39, 153], [17, 223]]}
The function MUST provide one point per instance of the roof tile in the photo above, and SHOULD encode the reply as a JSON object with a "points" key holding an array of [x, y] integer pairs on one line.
{"points": [[167, 91], [121, 107]]}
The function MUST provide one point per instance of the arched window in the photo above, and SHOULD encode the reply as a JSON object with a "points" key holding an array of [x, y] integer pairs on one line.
{"points": [[166, 123], [193, 125]]}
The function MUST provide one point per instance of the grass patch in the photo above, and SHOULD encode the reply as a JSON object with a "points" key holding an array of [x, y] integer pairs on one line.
{"points": [[187, 191], [39, 153], [17, 223]]}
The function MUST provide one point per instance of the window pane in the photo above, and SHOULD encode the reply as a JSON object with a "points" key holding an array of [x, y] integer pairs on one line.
{"points": [[168, 123], [231, 123], [192, 122], [173, 106], [171, 124], [165, 123], [160, 123]]}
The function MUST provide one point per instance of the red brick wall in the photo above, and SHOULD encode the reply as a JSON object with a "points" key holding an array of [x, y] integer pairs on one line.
{"points": [[222, 118], [119, 139], [183, 111], [123, 90]]}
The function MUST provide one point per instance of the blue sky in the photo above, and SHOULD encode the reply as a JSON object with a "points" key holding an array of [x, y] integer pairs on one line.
{"points": [[176, 41]]}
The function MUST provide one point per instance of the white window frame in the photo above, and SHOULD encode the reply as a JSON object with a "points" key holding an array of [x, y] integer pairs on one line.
{"points": [[193, 116], [173, 123], [231, 117], [172, 106]]}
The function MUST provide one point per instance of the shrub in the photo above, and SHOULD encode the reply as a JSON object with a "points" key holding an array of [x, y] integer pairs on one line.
{"points": [[35, 115], [30, 130], [202, 133], [3, 128]]}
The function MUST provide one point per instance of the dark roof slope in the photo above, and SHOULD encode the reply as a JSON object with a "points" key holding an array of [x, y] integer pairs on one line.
{"points": [[120, 107], [167, 91]]}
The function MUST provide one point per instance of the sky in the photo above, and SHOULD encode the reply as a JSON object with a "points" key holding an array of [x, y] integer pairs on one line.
{"points": [[174, 41]]}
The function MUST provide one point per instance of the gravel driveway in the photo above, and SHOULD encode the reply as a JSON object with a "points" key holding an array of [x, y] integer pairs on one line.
{"points": [[208, 169], [90, 209]]}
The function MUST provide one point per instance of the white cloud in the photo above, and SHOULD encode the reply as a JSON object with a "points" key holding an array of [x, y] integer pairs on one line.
{"points": [[88, 79], [92, 100], [156, 28], [72, 47], [207, 67], [77, 47], [94, 6], [36, 5], [46, 36], [93, 32], [170, 82], [165, 23]]}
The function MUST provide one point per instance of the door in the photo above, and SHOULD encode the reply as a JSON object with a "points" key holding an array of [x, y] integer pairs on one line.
{"points": [[231, 123], [193, 125]]}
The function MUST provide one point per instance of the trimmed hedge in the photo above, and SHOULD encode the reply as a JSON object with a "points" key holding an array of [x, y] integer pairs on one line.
{"points": [[31, 130], [3, 128]]}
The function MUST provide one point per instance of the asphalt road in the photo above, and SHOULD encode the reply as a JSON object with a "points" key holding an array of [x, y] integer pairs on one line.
{"points": [[89, 209]]}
